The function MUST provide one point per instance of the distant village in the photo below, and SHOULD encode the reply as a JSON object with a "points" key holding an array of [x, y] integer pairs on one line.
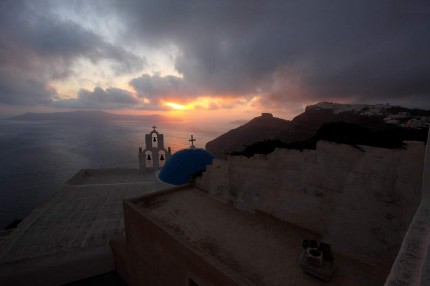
{"points": [[404, 119], [391, 114]]}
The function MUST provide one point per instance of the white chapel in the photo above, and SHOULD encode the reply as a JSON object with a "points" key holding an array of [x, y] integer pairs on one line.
{"points": [[154, 156]]}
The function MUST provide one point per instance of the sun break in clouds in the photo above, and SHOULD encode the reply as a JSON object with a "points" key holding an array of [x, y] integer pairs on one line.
{"points": [[218, 56]]}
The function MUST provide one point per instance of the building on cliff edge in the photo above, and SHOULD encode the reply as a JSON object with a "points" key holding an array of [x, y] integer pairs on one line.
{"points": [[244, 220]]}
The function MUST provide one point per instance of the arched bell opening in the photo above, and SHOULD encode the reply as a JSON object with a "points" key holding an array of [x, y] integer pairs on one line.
{"points": [[154, 140], [161, 158], [149, 161]]}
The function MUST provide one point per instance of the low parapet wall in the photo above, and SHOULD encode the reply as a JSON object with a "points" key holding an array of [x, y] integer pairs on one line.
{"points": [[361, 200], [412, 264]]}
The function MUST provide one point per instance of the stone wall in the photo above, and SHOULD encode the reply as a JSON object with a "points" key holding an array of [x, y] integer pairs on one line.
{"points": [[361, 199], [157, 256], [412, 264]]}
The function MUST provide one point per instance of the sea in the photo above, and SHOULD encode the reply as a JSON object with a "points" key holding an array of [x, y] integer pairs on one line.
{"points": [[37, 157]]}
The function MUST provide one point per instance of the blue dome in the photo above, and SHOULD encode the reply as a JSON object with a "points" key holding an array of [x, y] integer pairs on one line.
{"points": [[180, 168]]}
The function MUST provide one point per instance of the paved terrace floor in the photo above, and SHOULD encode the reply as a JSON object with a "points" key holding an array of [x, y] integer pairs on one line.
{"points": [[257, 247], [74, 227], [111, 176]]}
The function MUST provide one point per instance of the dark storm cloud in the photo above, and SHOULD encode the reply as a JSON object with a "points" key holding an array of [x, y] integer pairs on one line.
{"points": [[285, 51], [293, 50], [36, 47], [51, 38], [160, 87], [23, 89], [111, 98]]}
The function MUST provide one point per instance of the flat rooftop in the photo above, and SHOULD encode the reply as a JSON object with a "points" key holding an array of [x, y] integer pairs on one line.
{"points": [[75, 225], [256, 247], [111, 176]]}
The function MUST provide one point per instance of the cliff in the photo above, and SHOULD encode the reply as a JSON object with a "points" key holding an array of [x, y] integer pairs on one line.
{"points": [[260, 128], [399, 123]]}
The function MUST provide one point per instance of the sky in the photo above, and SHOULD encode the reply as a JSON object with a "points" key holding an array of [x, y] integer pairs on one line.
{"points": [[215, 59]]}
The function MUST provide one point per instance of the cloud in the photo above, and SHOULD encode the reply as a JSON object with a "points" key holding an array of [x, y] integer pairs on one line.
{"points": [[360, 51], [99, 98], [279, 52], [50, 36], [37, 47], [23, 89], [156, 86]]}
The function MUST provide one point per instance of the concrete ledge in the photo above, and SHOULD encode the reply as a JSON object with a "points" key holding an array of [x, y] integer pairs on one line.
{"points": [[57, 269], [409, 264], [412, 264], [119, 251]]}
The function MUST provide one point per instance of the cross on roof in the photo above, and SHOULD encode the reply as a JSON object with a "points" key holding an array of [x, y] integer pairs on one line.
{"points": [[153, 127], [192, 140]]}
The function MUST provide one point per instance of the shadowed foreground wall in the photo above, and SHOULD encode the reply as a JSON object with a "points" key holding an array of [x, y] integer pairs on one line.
{"points": [[412, 264], [361, 200], [151, 245]]}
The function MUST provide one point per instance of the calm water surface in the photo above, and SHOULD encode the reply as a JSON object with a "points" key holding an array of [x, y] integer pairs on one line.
{"points": [[38, 157]]}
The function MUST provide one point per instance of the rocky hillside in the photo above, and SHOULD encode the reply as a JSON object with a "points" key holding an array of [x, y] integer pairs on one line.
{"points": [[304, 130], [258, 129]]}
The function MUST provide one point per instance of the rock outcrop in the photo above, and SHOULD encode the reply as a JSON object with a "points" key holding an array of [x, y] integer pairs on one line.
{"points": [[260, 128], [406, 124]]}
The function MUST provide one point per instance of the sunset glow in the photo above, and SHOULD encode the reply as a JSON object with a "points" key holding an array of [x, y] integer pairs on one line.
{"points": [[151, 58], [175, 105]]}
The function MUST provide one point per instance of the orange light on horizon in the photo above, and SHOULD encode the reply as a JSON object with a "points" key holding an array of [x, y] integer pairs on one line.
{"points": [[206, 103], [175, 105]]}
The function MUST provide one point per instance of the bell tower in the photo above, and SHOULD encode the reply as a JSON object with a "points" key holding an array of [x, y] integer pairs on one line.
{"points": [[154, 156]]}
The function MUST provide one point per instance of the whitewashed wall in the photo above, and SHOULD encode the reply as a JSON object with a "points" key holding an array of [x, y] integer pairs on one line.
{"points": [[361, 200]]}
